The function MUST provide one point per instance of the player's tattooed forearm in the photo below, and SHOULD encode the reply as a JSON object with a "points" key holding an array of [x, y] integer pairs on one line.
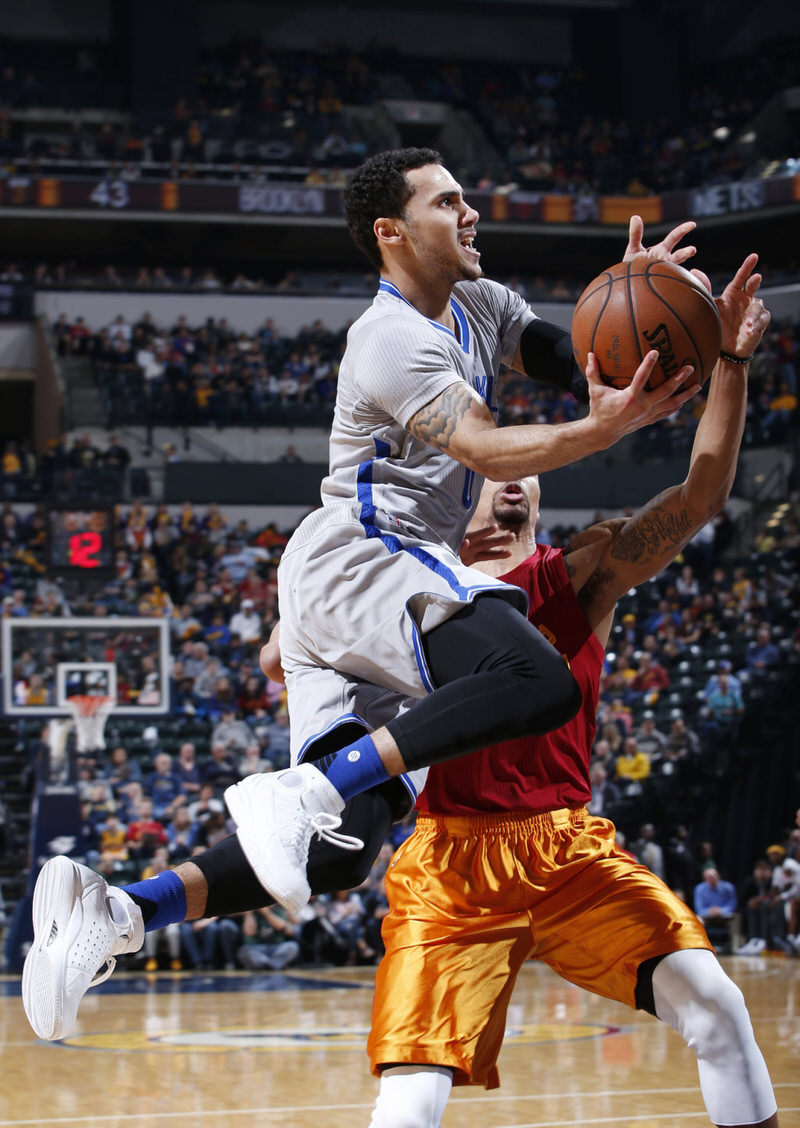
{"points": [[436, 422], [655, 531]]}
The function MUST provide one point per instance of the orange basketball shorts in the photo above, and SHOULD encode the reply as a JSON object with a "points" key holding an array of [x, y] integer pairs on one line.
{"points": [[471, 898]]}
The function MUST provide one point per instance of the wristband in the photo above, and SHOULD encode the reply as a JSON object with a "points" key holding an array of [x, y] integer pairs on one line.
{"points": [[735, 359]]}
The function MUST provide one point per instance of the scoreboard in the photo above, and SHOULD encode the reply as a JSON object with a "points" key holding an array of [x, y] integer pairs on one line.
{"points": [[80, 541]]}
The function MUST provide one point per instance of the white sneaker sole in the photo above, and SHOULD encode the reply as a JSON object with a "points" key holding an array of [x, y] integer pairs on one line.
{"points": [[44, 971], [255, 839]]}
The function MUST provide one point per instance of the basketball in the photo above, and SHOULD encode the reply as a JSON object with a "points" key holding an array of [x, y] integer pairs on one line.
{"points": [[637, 306]]}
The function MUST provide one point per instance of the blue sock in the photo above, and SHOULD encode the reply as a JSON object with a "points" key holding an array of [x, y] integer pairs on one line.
{"points": [[354, 768], [162, 899]]}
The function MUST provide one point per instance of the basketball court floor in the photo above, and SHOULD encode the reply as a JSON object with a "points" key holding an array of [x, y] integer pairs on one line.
{"points": [[237, 1050]]}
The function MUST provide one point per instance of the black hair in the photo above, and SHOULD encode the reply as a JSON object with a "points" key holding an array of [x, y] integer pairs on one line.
{"points": [[379, 187]]}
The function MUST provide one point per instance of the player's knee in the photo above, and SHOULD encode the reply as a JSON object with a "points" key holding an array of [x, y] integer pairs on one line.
{"points": [[389, 1113], [718, 1022], [706, 1007], [556, 700], [354, 869], [411, 1097]]}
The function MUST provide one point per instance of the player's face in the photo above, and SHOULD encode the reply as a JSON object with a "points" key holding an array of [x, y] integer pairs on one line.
{"points": [[511, 507], [440, 226]]}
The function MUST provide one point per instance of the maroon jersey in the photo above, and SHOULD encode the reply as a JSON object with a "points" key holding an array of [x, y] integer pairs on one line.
{"points": [[533, 773]]}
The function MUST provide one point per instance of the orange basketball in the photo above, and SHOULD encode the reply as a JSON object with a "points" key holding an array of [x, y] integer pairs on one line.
{"points": [[637, 306]]}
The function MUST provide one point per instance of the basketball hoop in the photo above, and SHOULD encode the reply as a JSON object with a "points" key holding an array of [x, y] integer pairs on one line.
{"points": [[90, 711]]}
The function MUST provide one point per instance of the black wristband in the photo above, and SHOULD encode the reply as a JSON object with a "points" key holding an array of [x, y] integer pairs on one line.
{"points": [[734, 359]]}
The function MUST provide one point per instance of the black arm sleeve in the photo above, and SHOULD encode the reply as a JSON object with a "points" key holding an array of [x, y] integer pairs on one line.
{"points": [[546, 351]]}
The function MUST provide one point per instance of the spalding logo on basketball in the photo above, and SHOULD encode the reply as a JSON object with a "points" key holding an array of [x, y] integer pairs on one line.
{"points": [[637, 306]]}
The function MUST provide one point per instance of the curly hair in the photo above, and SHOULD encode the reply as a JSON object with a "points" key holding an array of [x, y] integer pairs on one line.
{"points": [[379, 187]]}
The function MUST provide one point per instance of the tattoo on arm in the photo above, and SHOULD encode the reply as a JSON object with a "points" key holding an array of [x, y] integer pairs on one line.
{"points": [[436, 423], [654, 532]]}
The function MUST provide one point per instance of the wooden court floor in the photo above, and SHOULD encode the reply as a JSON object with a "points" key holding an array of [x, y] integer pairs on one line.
{"points": [[240, 1050]]}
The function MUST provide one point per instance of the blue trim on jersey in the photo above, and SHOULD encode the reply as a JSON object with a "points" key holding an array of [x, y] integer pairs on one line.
{"points": [[458, 313], [343, 720], [463, 324], [419, 654], [393, 544], [409, 786]]}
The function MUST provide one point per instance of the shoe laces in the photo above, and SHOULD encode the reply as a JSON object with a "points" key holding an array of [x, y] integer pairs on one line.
{"points": [[325, 825]]}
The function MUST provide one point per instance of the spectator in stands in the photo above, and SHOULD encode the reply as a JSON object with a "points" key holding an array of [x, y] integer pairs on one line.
{"points": [[205, 804], [269, 939], [725, 709], [145, 832], [206, 681], [633, 766], [762, 654], [759, 902], [279, 738], [233, 734], [221, 770], [111, 838], [605, 793], [200, 939], [253, 760], [187, 769], [345, 911], [786, 887], [252, 699], [185, 625], [121, 770], [687, 585], [651, 678], [662, 617], [246, 623], [723, 667], [650, 739], [715, 902], [164, 786], [213, 829], [681, 739], [181, 836], [648, 851]]}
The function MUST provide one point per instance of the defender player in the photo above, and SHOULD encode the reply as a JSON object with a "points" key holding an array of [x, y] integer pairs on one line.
{"points": [[506, 864]]}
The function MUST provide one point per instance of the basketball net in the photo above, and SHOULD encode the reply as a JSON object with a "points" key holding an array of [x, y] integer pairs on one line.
{"points": [[90, 713]]}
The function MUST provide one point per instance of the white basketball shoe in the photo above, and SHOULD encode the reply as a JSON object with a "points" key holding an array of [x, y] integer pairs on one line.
{"points": [[276, 813], [80, 923]]}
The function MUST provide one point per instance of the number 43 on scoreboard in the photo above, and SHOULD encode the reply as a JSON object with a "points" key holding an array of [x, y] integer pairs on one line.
{"points": [[111, 194]]}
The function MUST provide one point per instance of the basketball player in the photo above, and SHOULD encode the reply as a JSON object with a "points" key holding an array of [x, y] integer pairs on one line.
{"points": [[372, 594], [506, 864], [381, 622]]}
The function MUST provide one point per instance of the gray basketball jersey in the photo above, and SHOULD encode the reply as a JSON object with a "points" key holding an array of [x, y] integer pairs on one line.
{"points": [[396, 362], [376, 567]]}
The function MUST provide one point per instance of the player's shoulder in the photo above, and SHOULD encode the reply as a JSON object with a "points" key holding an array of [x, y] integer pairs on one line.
{"points": [[544, 564], [484, 293], [391, 327]]}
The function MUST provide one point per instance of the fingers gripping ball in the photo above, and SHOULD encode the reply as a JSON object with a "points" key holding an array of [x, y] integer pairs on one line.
{"points": [[640, 305]]}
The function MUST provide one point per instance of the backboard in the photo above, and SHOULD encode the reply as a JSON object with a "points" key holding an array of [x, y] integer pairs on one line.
{"points": [[45, 661]]}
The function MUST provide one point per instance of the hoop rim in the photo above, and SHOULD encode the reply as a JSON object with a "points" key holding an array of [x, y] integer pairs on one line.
{"points": [[89, 704]]}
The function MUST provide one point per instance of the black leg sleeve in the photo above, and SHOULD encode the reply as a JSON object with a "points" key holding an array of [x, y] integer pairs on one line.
{"points": [[498, 678], [234, 888]]}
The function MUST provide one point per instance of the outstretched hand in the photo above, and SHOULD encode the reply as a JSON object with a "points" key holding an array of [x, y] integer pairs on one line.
{"points": [[744, 317], [489, 543], [665, 251]]}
